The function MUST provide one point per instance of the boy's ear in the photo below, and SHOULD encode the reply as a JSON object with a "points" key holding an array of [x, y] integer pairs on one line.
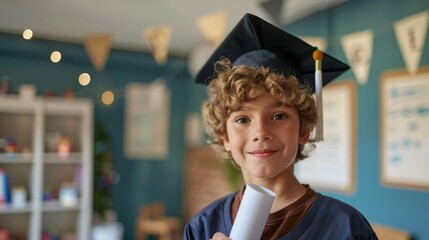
{"points": [[304, 135], [226, 145]]}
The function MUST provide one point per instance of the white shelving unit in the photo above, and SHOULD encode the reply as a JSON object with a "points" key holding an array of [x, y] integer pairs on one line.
{"points": [[37, 165]]}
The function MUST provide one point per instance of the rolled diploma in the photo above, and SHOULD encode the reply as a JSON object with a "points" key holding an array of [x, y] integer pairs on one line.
{"points": [[253, 213]]}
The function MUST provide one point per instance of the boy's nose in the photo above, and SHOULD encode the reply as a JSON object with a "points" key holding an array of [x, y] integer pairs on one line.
{"points": [[261, 133], [261, 138]]}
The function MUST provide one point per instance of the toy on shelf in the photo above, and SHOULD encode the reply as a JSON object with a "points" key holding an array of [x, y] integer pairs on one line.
{"points": [[4, 189], [48, 195], [57, 142], [49, 94], [5, 87], [9, 147], [68, 195], [69, 94], [19, 197], [48, 235], [64, 147]]}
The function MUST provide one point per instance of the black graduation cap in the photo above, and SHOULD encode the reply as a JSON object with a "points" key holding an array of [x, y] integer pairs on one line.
{"points": [[255, 42]]}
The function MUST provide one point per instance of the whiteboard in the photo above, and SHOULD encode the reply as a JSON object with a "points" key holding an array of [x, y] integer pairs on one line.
{"points": [[405, 129], [331, 165]]}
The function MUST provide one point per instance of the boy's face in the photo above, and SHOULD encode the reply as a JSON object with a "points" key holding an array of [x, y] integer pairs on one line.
{"points": [[263, 138]]}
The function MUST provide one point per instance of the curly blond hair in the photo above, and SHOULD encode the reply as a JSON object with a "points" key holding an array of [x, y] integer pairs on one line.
{"points": [[236, 85]]}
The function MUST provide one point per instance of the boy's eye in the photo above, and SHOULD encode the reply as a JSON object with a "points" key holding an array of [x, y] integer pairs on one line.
{"points": [[279, 116], [242, 120]]}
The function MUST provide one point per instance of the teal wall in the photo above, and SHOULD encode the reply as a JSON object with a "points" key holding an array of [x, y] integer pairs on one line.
{"points": [[143, 181]]}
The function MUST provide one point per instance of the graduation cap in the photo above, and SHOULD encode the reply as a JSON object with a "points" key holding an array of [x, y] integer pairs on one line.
{"points": [[255, 42]]}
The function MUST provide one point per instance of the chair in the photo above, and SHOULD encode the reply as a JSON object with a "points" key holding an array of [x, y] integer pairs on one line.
{"points": [[152, 221], [389, 233]]}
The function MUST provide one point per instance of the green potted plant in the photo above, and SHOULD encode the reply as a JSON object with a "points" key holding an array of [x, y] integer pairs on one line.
{"points": [[103, 172]]}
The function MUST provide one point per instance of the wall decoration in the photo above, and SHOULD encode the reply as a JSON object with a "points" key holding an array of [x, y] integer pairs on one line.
{"points": [[98, 48], [213, 27], [158, 39], [411, 34], [147, 108], [331, 166], [358, 49], [404, 129]]}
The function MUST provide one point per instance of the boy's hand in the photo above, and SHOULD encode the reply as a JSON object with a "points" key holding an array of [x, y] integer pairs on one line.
{"points": [[220, 236]]}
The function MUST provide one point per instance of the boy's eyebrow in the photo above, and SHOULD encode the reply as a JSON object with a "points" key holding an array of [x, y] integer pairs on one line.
{"points": [[273, 105], [282, 104]]}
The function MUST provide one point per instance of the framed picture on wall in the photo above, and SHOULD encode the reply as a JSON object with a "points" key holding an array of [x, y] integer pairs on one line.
{"points": [[404, 109], [146, 123], [331, 165]]}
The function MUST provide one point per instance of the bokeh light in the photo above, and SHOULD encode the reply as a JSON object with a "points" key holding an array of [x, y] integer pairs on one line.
{"points": [[107, 97], [27, 34], [84, 79], [55, 56]]}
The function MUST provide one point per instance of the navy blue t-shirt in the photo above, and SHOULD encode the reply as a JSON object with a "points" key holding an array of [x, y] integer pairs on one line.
{"points": [[327, 219]]}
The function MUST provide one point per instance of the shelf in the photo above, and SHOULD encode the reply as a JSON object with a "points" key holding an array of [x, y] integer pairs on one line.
{"points": [[56, 206], [51, 158], [16, 158], [8, 209], [55, 158], [36, 127]]}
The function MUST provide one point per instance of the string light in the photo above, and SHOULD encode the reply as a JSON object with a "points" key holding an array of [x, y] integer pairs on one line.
{"points": [[84, 79], [27, 34], [107, 97], [55, 56]]}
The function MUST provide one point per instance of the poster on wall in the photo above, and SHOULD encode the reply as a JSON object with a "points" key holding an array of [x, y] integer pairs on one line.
{"points": [[331, 165], [147, 107], [405, 129]]}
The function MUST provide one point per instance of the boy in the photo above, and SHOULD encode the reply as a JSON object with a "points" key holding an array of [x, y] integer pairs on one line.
{"points": [[260, 113]]}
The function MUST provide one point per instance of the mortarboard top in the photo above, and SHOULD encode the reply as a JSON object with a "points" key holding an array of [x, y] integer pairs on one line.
{"points": [[255, 42]]}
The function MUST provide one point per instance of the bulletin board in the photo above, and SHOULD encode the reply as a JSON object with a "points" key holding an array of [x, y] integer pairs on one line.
{"points": [[331, 165], [405, 129]]}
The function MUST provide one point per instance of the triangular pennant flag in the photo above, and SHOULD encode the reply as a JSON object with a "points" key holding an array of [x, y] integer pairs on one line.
{"points": [[411, 33], [213, 27], [98, 49], [318, 42], [158, 39], [358, 49], [273, 8]]}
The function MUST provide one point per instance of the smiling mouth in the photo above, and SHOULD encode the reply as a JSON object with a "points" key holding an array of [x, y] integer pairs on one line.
{"points": [[262, 153]]}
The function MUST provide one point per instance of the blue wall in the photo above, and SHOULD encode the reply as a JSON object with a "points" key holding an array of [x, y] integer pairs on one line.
{"points": [[402, 208], [145, 181]]}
